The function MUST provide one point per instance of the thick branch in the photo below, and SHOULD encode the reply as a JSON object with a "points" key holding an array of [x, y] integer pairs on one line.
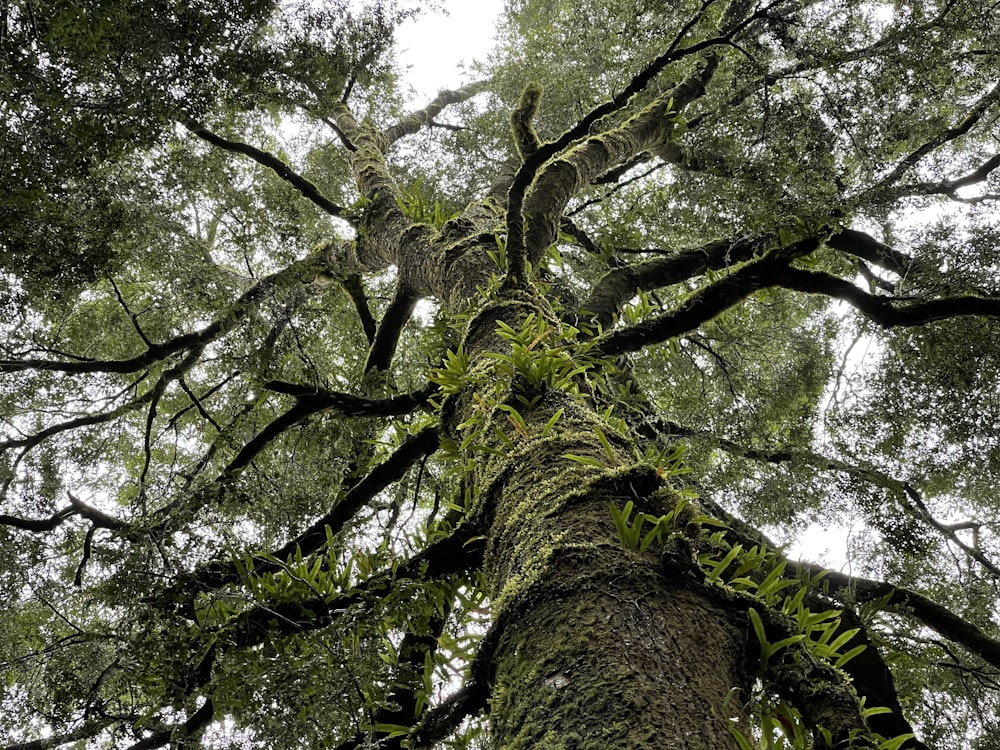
{"points": [[416, 120], [933, 615], [863, 245], [913, 502], [887, 312], [617, 287], [449, 556], [533, 213], [387, 338], [352, 285], [386, 230], [310, 401], [707, 302]]}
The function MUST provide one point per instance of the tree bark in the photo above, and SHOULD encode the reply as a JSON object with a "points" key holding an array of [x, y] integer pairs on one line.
{"points": [[595, 646]]}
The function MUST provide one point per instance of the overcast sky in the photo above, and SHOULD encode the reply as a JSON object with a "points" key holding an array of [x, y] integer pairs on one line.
{"points": [[433, 46]]}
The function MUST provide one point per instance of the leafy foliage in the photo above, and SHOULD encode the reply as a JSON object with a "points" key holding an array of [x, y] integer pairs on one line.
{"points": [[316, 416]]}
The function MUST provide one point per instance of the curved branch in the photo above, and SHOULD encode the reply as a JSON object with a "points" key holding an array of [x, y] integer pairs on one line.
{"points": [[310, 401], [445, 718], [885, 310], [538, 196], [276, 165], [416, 120], [975, 114], [707, 302], [400, 707], [519, 247], [940, 619], [951, 187], [449, 556], [864, 246], [903, 489], [617, 287]]}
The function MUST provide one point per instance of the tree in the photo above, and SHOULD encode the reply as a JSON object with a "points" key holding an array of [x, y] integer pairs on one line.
{"points": [[327, 423]]}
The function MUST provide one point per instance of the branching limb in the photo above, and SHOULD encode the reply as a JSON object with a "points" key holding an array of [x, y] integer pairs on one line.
{"points": [[975, 114], [525, 138], [616, 288], [302, 271], [445, 718], [822, 694], [131, 315], [912, 500], [401, 705], [311, 401], [707, 302], [535, 204], [222, 572], [276, 165], [384, 226], [522, 249], [950, 188], [89, 730], [454, 554], [98, 518]]}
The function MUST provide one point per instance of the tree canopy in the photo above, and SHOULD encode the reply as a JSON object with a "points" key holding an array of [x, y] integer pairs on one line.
{"points": [[330, 419]]}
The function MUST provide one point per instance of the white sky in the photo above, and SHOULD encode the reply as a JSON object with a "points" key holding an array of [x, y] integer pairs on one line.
{"points": [[433, 47]]}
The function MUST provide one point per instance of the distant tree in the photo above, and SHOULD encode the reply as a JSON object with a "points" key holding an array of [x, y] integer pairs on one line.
{"points": [[326, 423]]}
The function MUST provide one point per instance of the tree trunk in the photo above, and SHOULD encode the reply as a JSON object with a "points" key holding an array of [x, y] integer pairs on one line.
{"points": [[594, 646]]}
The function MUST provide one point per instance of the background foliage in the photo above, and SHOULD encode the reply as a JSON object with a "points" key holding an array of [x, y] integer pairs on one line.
{"points": [[188, 381]]}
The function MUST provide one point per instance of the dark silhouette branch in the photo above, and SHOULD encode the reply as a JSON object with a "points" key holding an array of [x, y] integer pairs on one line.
{"points": [[933, 615], [276, 165], [301, 271], [309, 401], [180, 732], [950, 187], [76, 507], [453, 555], [617, 287], [866, 247], [886, 311], [401, 704], [352, 285], [975, 114], [707, 302], [387, 337]]}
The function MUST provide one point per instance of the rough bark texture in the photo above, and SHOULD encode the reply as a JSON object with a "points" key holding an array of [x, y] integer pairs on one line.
{"points": [[595, 646], [599, 647]]}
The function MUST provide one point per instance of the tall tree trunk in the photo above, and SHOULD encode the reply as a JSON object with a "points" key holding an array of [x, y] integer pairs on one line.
{"points": [[594, 646]]}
